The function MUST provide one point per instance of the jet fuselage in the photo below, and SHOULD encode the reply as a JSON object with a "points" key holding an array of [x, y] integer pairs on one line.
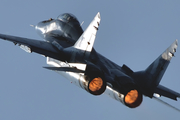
{"points": [[66, 30], [69, 51]]}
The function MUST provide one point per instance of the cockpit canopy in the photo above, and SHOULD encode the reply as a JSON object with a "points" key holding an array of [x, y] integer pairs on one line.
{"points": [[67, 17]]}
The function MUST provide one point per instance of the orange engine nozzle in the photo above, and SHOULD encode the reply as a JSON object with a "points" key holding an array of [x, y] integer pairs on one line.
{"points": [[133, 98], [96, 84]]}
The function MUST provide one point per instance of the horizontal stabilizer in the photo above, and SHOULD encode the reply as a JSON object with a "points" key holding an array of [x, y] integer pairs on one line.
{"points": [[65, 69], [166, 92]]}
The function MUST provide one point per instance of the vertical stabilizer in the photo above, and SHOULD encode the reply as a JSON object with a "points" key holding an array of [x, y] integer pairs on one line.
{"points": [[157, 69], [86, 41]]}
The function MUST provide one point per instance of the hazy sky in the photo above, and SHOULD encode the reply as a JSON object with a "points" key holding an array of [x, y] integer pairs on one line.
{"points": [[131, 32]]}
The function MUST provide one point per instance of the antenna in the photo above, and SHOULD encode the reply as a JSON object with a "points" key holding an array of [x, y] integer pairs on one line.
{"points": [[82, 23], [32, 25]]}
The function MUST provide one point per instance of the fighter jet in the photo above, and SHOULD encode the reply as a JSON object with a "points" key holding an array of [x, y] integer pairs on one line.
{"points": [[69, 51]]}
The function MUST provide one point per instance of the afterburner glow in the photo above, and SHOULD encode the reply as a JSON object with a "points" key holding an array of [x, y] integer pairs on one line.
{"points": [[96, 84], [133, 98]]}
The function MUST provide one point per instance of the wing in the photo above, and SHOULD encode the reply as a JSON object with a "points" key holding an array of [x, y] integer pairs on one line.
{"points": [[37, 46], [163, 91]]}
